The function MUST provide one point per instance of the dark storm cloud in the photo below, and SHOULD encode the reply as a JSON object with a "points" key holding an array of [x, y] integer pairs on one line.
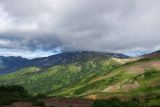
{"points": [[96, 25]]}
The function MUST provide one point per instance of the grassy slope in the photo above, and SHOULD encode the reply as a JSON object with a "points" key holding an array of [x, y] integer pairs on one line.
{"points": [[136, 79], [54, 79], [92, 79]]}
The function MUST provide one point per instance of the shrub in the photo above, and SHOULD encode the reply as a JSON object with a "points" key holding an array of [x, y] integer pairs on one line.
{"points": [[39, 103], [41, 96], [114, 102], [10, 94]]}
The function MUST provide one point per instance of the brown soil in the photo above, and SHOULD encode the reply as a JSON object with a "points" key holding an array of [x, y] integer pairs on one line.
{"points": [[130, 86], [59, 102], [20, 104], [141, 66], [64, 102]]}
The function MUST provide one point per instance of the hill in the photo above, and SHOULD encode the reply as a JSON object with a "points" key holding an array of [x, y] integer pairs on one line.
{"points": [[93, 76], [71, 57], [11, 64], [48, 79], [153, 54]]}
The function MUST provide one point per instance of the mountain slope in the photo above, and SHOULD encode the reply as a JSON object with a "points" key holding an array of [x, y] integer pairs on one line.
{"points": [[91, 79], [133, 79], [47, 80], [71, 57], [11, 64], [93, 76], [153, 54]]}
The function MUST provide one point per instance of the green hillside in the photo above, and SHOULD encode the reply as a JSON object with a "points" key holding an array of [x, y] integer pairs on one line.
{"points": [[49, 80], [95, 79]]}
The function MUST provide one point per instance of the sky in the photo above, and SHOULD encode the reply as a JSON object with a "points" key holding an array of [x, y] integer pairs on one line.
{"points": [[37, 28]]}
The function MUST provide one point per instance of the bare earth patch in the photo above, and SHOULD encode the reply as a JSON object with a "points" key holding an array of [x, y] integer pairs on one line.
{"points": [[140, 67], [64, 102], [21, 104], [60, 102]]}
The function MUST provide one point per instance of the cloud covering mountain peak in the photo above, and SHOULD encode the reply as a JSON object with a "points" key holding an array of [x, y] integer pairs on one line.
{"points": [[95, 25]]}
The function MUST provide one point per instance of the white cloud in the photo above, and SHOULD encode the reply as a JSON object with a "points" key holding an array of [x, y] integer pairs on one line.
{"points": [[96, 25], [28, 54], [9, 24]]}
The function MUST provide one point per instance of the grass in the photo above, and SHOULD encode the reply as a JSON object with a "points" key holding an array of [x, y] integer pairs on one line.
{"points": [[91, 77], [36, 81]]}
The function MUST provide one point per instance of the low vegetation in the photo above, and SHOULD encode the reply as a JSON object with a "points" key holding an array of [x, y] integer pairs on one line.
{"points": [[94, 79], [15, 93], [114, 102], [10, 94]]}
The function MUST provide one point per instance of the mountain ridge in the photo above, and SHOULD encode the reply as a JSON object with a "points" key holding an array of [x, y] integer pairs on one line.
{"points": [[11, 63], [93, 77], [152, 54], [63, 58]]}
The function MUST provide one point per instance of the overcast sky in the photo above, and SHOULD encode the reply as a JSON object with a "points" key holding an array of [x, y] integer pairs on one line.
{"points": [[33, 28]]}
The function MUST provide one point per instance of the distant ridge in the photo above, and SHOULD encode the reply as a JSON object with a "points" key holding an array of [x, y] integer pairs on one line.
{"points": [[11, 64], [69, 57], [153, 54], [90, 75]]}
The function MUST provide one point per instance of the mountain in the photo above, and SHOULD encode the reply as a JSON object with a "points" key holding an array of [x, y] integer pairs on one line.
{"points": [[70, 57], [52, 78], [90, 75], [11, 64], [153, 54], [72, 66]]}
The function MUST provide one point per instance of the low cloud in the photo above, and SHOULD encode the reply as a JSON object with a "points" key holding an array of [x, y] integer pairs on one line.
{"points": [[94, 25]]}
